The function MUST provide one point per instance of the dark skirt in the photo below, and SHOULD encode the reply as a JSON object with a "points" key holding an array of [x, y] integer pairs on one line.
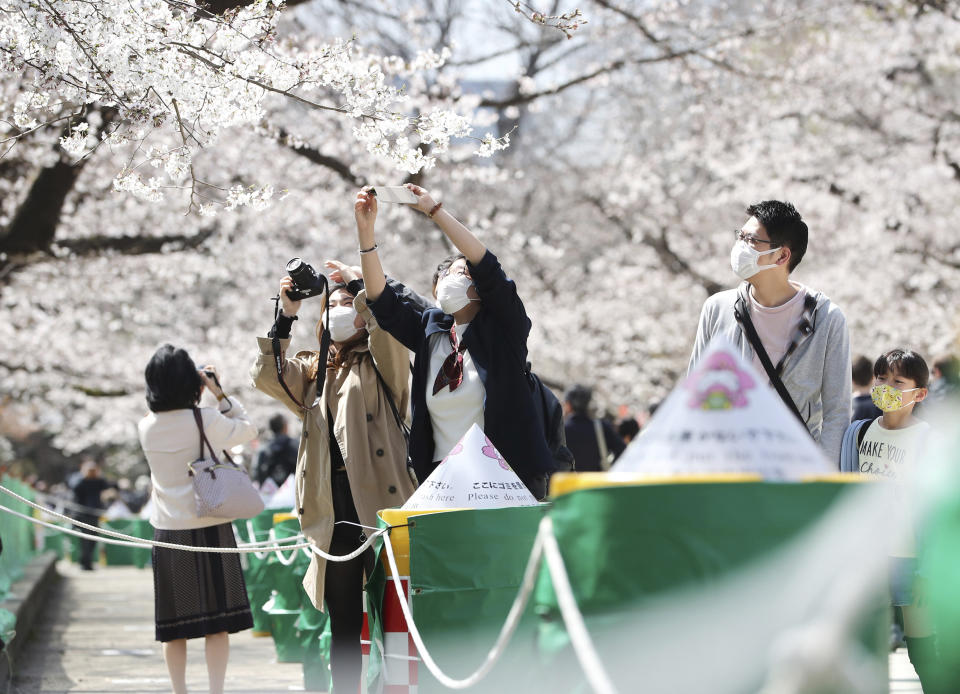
{"points": [[198, 593]]}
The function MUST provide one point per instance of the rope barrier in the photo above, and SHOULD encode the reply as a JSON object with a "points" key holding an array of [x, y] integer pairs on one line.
{"points": [[544, 546], [114, 533], [61, 502], [576, 628], [130, 541]]}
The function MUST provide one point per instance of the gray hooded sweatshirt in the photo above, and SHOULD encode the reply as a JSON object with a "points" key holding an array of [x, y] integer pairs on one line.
{"points": [[816, 374]]}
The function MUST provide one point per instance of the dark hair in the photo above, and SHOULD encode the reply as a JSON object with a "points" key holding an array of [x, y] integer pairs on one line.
{"points": [[339, 285], [579, 398], [628, 428], [862, 371], [277, 424], [443, 266], [173, 382], [949, 367], [906, 363], [784, 227]]}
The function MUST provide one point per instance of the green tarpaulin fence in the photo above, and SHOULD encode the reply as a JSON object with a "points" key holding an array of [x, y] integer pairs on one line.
{"points": [[18, 545], [622, 546], [465, 570], [118, 555], [301, 633]]}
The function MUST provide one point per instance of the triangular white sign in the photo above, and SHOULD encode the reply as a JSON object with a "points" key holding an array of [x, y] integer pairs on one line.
{"points": [[724, 417], [473, 475], [285, 496], [268, 488]]}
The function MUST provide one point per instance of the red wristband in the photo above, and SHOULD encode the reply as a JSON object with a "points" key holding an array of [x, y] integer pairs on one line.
{"points": [[434, 210]]}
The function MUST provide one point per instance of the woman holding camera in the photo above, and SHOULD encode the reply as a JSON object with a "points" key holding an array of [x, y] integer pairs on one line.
{"points": [[353, 454], [196, 593], [470, 354]]}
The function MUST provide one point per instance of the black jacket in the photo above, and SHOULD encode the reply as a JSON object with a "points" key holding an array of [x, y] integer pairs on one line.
{"points": [[497, 342], [581, 435], [277, 459]]}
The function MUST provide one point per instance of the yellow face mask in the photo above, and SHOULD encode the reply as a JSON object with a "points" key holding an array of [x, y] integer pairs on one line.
{"points": [[888, 398]]}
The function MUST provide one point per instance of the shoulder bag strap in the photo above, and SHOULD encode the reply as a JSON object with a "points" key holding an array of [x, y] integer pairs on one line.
{"points": [[808, 323], [742, 315], [203, 436], [393, 407]]}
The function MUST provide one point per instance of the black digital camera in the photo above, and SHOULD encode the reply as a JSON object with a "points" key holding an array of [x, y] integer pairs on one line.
{"points": [[307, 282]]}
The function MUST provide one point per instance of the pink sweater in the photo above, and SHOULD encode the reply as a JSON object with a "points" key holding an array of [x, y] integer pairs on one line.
{"points": [[777, 325]]}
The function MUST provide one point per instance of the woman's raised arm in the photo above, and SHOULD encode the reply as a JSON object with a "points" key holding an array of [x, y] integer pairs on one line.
{"points": [[365, 211], [459, 235]]}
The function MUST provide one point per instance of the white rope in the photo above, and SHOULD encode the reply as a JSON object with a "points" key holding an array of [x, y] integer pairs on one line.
{"points": [[272, 537], [544, 546], [583, 646], [131, 541], [114, 533], [61, 502], [506, 632]]}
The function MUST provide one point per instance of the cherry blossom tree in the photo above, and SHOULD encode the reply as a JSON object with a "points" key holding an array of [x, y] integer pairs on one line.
{"points": [[635, 147]]}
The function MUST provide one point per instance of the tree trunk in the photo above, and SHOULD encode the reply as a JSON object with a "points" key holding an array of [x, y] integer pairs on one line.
{"points": [[35, 223]]}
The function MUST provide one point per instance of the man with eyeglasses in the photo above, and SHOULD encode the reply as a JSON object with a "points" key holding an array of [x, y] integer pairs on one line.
{"points": [[791, 332]]}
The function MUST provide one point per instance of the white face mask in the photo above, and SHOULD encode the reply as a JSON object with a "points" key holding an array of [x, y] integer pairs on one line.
{"points": [[745, 260], [452, 293], [342, 326]]}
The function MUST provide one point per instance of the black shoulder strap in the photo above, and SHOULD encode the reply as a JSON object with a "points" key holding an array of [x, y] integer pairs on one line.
{"points": [[321, 357], [203, 436], [862, 431], [742, 314], [393, 407]]}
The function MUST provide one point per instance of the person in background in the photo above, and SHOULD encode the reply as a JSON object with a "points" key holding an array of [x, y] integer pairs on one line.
{"points": [[945, 385], [277, 460], [628, 428], [892, 447], [802, 334], [88, 493], [594, 443], [863, 407], [196, 594]]}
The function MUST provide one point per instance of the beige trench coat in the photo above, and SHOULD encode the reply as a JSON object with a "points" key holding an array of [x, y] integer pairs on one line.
{"points": [[373, 446]]}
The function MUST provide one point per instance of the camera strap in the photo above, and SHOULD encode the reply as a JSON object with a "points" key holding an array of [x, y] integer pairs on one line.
{"points": [[321, 357]]}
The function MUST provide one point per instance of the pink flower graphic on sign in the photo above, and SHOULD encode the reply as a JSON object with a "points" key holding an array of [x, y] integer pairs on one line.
{"points": [[719, 384], [491, 452], [453, 451]]}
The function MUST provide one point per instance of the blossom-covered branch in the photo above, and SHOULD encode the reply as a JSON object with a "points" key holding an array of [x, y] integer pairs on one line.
{"points": [[567, 22], [171, 68]]}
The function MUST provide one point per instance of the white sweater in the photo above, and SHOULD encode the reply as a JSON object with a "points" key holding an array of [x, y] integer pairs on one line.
{"points": [[171, 441]]}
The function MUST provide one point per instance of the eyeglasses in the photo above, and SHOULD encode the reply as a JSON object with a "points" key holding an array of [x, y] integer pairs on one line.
{"points": [[750, 239]]}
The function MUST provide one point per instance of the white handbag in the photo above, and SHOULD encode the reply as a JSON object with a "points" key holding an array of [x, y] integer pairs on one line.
{"points": [[221, 490]]}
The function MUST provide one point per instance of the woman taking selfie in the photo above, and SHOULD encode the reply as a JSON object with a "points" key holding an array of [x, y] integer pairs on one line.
{"points": [[196, 593], [353, 456], [470, 353]]}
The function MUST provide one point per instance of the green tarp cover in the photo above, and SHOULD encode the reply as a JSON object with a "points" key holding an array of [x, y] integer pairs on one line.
{"points": [[624, 547], [118, 555], [17, 534], [300, 632], [466, 568], [623, 543]]}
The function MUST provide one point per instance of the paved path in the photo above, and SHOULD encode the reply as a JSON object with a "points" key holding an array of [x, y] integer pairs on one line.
{"points": [[903, 679], [96, 636]]}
